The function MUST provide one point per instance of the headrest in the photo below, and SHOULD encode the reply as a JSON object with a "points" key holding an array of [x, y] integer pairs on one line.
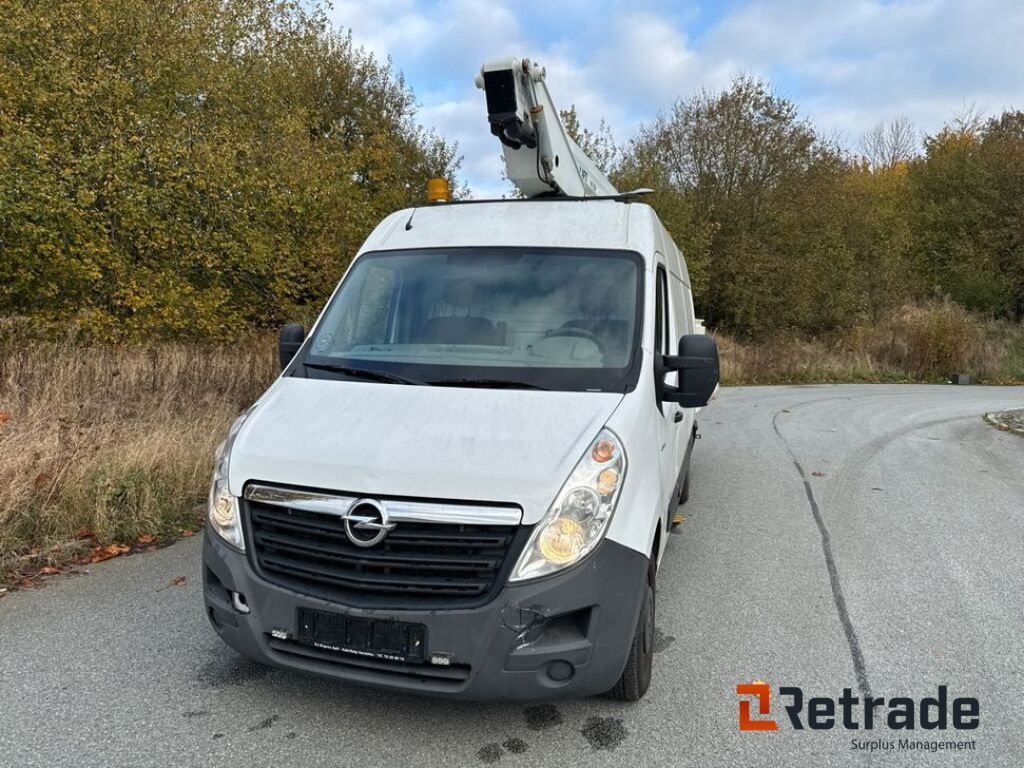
{"points": [[600, 301], [460, 293]]}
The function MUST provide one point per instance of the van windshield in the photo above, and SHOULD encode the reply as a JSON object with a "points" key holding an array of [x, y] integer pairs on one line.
{"points": [[563, 319]]}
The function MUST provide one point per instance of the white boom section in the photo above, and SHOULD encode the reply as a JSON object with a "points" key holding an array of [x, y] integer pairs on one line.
{"points": [[540, 158]]}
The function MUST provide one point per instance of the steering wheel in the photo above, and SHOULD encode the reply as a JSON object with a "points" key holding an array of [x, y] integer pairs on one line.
{"points": [[576, 333]]}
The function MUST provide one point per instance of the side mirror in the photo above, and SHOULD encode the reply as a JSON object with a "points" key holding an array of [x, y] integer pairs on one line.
{"points": [[697, 363], [288, 343]]}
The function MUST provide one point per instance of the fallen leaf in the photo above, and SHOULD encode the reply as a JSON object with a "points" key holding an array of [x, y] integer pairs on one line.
{"points": [[5, 416], [178, 581], [188, 532], [99, 554], [816, 473], [145, 538], [49, 570]]}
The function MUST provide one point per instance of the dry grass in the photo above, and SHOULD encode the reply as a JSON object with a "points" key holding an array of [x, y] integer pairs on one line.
{"points": [[118, 441], [917, 343]]}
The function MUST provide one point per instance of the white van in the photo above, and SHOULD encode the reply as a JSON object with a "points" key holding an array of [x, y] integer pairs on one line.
{"points": [[463, 481]]}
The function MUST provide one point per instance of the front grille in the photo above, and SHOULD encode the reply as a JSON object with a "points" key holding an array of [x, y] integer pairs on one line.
{"points": [[418, 564]]}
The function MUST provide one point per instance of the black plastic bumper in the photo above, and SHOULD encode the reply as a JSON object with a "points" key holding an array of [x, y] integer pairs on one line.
{"points": [[566, 635]]}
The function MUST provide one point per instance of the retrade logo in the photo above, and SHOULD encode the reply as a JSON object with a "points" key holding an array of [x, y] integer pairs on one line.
{"points": [[853, 713], [763, 694]]}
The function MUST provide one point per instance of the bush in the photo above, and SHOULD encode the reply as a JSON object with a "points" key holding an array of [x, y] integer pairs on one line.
{"points": [[928, 341], [916, 343]]}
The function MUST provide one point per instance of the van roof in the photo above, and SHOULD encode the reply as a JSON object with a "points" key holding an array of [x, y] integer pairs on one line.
{"points": [[557, 223]]}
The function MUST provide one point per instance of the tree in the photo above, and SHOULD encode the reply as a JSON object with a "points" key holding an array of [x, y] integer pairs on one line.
{"points": [[1003, 232], [969, 212], [599, 145], [192, 167], [739, 175], [891, 143]]}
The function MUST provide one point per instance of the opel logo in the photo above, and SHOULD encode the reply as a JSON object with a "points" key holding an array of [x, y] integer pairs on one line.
{"points": [[366, 523]]}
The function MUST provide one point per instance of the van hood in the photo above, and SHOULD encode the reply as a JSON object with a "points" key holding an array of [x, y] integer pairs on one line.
{"points": [[460, 444]]}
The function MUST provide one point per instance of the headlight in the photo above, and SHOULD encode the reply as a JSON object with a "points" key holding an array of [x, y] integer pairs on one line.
{"points": [[222, 509], [580, 514]]}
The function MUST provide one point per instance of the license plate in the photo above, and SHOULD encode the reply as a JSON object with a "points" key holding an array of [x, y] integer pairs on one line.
{"points": [[376, 638]]}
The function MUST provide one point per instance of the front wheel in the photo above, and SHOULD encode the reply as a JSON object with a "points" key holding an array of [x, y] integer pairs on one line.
{"points": [[636, 677]]}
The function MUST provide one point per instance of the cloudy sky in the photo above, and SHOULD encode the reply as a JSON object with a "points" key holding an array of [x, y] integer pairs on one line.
{"points": [[848, 63]]}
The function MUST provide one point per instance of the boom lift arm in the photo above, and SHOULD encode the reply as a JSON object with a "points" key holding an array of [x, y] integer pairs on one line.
{"points": [[540, 158]]}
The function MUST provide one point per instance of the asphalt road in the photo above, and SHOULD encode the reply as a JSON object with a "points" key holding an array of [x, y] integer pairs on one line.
{"points": [[901, 569]]}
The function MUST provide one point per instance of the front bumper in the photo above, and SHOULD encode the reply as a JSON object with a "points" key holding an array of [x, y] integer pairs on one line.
{"points": [[565, 635]]}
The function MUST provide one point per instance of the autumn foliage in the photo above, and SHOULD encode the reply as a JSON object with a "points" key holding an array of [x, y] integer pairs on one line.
{"points": [[784, 230], [191, 168]]}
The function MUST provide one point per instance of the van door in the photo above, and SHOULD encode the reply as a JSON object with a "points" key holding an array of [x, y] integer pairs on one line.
{"points": [[682, 313], [665, 331]]}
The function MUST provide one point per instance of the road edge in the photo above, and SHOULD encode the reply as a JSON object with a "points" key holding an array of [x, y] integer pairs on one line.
{"points": [[1009, 421]]}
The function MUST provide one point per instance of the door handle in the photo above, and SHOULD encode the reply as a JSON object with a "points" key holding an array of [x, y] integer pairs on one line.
{"points": [[678, 417]]}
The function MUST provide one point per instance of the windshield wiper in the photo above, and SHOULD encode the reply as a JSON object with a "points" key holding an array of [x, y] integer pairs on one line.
{"points": [[496, 383], [365, 373]]}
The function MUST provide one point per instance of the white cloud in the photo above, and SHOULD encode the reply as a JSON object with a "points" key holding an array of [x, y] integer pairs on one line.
{"points": [[465, 121], [645, 58], [385, 26], [853, 64], [847, 64]]}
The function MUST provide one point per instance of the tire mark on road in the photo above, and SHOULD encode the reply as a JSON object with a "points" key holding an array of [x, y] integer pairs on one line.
{"points": [[859, 668], [843, 484]]}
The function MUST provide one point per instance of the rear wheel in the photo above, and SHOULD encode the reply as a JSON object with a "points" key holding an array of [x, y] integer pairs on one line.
{"points": [[636, 677]]}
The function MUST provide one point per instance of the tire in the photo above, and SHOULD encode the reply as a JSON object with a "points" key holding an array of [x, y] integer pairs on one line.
{"points": [[636, 677]]}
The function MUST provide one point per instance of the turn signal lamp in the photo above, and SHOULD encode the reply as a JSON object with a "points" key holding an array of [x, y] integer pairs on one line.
{"points": [[437, 191], [604, 450], [607, 481]]}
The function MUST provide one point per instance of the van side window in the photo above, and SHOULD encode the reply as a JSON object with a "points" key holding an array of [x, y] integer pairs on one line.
{"points": [[661, 327], [686, 320]]}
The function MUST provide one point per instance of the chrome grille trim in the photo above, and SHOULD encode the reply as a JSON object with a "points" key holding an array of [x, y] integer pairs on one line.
{"points": [[398, 510]]}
